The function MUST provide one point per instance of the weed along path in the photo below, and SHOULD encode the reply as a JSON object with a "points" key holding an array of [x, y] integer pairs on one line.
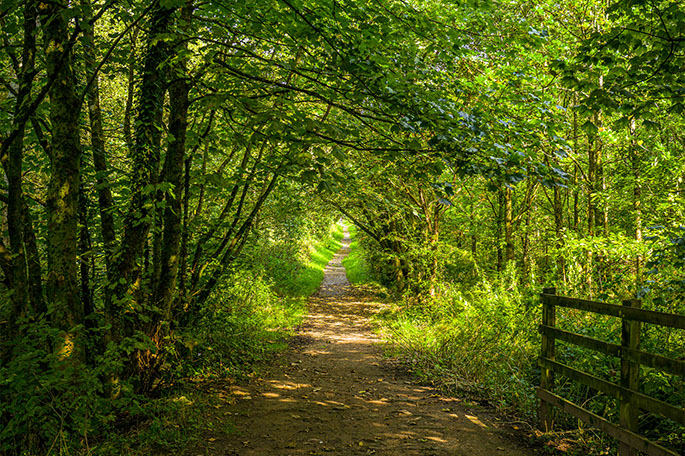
{"points": [[333, 393]]}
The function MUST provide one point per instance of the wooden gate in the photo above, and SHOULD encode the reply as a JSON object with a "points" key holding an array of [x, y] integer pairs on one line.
{"points": [[627, 391]]}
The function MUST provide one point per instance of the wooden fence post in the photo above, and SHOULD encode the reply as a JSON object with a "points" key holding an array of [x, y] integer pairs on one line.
{"points": [[546, 413], [630, 377]]}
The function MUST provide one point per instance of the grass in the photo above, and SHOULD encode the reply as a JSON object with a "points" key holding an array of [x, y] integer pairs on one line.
{"points": [[310, 273], [356, 268], [482, 342]]}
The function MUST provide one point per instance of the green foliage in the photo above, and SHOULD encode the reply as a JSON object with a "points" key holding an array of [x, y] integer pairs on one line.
{"points": [[483, 340], [254, 308], [612, 275], [356, 267], [43, 398], [523, 143], [166, 424], [296, 261], [665, 273], [459, 265], [47, 398], [239, 329]]}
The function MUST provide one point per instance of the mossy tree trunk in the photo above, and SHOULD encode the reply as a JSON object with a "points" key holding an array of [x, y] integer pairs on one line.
{"points": [[172, 174], [12, 163], [144, 156], [63, 293]]}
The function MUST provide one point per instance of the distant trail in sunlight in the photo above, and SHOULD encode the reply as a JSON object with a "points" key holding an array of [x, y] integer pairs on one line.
{"points": [[334, 393], [335, 281]]}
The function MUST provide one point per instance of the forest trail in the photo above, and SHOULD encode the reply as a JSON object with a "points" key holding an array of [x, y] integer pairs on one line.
{"points": [[332, 393]]}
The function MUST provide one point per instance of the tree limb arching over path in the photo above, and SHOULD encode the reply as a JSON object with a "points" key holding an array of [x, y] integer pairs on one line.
{"points": [[333, 393]]}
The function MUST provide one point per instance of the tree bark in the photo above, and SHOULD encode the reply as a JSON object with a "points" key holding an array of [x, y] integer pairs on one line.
{"points": [[63, 189], [591, 207], [144, 156], [637, 198], [97, 141], [558, 208], [525, 247], [128, 137], [508, 224], [33, 263], [499, 230], [17, 215], [172, 173], [85, 253]]}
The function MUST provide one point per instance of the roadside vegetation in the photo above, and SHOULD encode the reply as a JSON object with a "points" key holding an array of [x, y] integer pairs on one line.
{"points": [[358, 272], [250, 320], [477, 337]]}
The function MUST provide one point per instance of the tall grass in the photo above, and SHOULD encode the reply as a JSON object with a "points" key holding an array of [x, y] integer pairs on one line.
{"points": [[356, 268], [483, 340]]}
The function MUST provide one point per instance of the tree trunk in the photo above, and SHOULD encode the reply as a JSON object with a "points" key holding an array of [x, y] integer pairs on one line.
{"points": [[17, 215], [499, 229], [576, 187], [63, 189], [33, 262], [183, 253], [637, 199], [525, 249], [508, 224], [97, 141], [128, 137], [144, 156], [591, 208], [474, 235], [173, 173], [85, 253], [576, 200], [559, 230], [602, 209]]}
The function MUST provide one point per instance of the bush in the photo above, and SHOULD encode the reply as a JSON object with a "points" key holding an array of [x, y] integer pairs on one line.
{"points": [[242, 326]]}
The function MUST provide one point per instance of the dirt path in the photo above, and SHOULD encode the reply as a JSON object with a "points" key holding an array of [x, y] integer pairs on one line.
{"points": [[333, 394]]}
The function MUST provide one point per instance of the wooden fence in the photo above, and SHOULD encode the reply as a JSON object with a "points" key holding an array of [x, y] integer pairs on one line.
{"points": [[631, 401]]}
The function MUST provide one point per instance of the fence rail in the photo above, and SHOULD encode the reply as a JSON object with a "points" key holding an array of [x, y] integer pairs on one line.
{"points": [[627, 391]]}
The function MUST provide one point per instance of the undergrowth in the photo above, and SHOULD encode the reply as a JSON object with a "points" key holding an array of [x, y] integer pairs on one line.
{"points": [[478, 336], [356, 268], [247, 321], [483, 341]]}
